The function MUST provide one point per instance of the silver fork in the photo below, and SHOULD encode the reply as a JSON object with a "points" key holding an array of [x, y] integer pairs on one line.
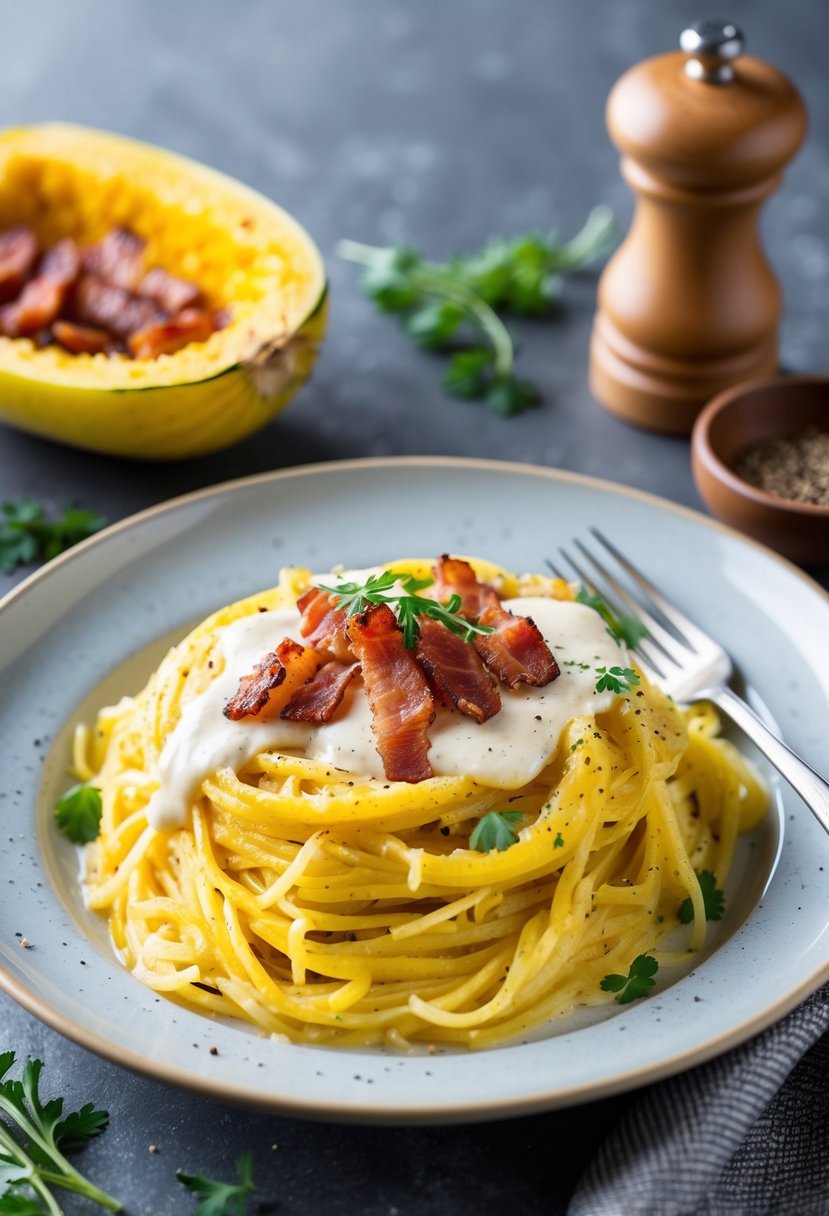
{"points": [[688, 664]]}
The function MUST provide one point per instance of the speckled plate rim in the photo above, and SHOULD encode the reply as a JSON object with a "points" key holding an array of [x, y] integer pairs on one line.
{"points": [[404, 1098]]}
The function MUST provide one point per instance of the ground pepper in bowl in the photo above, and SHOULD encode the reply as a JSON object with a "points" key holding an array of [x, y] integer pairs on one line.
{"points": [[793, 467], [760, 457]]}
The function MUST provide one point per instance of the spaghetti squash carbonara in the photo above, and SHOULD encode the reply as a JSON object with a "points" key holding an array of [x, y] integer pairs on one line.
{"points": [[429, 803]]}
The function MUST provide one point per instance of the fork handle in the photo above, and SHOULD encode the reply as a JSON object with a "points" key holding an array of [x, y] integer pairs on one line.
{"points": [[804, 780]]}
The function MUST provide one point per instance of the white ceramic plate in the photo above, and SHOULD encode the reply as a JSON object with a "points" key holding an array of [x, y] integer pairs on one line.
{"points": [[67, 640]]}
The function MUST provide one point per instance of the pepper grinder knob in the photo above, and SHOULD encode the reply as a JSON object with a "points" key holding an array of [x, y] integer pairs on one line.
{"points": [[688, 305], [712, 45]]}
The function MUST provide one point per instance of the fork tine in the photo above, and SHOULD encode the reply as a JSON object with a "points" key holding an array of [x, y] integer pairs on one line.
{"points": [[584, 577], [704, 673], [665, 642], [649, 663], [590, 583], [690, 633], [615, 586], [554, 568]]}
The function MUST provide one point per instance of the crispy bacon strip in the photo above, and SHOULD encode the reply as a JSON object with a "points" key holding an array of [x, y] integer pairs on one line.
{"points": [[61, 264], [118, 259], [103, 306], [266, 691], [515, 651], [456, 670], [319, 699], [166, 337], [81, 339], [42, 297], [35, 310], [171, 294], [402, 706], [102, 289], [18, 254], [454, 576], [324, 625]]}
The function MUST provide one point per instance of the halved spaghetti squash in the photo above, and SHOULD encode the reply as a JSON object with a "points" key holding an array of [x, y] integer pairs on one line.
{"points": [[248, 257]]}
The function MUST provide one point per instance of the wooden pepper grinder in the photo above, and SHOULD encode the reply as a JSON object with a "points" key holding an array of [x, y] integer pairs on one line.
{"points": [[689, 305]]}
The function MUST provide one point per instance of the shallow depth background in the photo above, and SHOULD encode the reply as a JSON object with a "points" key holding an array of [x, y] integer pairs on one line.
{"points": [[440, 122]]}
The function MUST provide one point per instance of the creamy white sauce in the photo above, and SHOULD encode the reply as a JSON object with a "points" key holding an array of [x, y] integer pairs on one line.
{"points": [[506, 752]]}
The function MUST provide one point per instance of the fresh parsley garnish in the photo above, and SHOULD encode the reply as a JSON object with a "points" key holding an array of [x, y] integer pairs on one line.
{"points": [[221, 1198], [495, 831], [32, 1136], [444, 303], [468, 373], [379, 589], [27, 536], [626, 629], [558, 843], [78, 813], [14, 1204], [638, 981], [712, 897], [616, 679]]}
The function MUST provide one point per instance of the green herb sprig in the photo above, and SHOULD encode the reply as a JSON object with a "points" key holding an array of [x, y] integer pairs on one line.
{"points": [[495, 830], [638, 982], [626, 629], [33, 1134], [78, 813], [616, 679], [221, 1198], [444, 302], [712, 897], [379, 589], [26, 535]]}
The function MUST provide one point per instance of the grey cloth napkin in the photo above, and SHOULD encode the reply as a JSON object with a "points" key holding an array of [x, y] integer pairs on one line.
{"points": [[746, 1134]]}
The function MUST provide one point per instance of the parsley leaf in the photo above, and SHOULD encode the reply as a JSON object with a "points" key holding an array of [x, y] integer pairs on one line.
{"points": [[558, 843], [354, 597], [26, 535], [379, 589], [522, 275], [221, 1198], [616, 679], [626, 629], [435, 324], [32, 1135], [78, 813], [16, 549], [468, 373], [463, 297], [511, 396], [389, 280], [17, 1205], [80, 1126], [495, 831], [638, 981], [712, 897]]}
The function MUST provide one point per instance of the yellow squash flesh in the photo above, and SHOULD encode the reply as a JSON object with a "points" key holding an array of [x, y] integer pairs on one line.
{"points": [[246, 254]]}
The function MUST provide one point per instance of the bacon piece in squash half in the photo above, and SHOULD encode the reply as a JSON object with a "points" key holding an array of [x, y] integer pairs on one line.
{"points": [[246, 255]]}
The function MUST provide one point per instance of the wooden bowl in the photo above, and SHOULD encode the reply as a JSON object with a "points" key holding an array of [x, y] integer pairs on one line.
{"points": [[735, 420]]}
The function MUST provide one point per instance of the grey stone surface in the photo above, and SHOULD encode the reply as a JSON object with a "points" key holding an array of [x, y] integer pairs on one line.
{"points": [[439, 122]]}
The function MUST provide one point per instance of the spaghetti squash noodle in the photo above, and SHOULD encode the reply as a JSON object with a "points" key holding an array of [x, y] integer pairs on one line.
{"points": [[249, 870]]}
